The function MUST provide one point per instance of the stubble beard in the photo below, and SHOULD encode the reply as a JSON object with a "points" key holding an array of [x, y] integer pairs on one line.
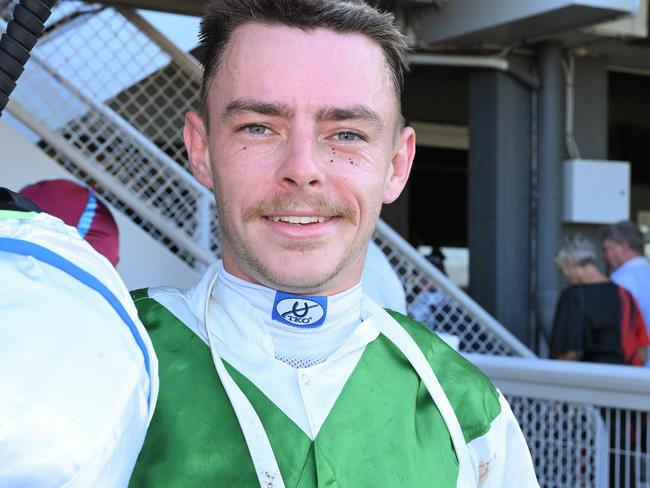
{"points": [[244, 255]]}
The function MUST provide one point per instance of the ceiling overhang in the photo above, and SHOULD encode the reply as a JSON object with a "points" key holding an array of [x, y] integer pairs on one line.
{"points": [[508, 21]]}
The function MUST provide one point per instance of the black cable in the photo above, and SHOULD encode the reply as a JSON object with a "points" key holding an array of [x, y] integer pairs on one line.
{"points": [[23, 29]]}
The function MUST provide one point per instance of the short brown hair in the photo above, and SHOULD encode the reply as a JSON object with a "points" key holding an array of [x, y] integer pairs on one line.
{"points": [[222, 17], [624, 231]]}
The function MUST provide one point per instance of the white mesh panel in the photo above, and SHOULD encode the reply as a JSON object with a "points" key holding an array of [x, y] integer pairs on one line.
{"points": [[299, 361], [443, 314], [583, 445]]}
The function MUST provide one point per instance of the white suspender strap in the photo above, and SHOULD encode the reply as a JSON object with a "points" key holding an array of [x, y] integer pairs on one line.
{"points": [[259, 446], [467, 476]]}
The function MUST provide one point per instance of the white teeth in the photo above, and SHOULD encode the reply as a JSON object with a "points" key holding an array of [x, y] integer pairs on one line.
{"points": [[290, 219]]}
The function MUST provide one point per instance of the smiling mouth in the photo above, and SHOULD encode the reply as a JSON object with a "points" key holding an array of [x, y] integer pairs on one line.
{"points": [[299, 220]]}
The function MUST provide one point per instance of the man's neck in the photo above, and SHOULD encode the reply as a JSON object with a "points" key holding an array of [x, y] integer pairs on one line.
{"points": [[336, 284], [305, 330]]}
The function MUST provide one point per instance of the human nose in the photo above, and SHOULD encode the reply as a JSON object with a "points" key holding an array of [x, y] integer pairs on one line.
{"points": [[301, 166]]}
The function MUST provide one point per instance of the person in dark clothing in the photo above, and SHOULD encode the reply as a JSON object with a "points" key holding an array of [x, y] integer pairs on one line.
{"points": [[595, 319]]}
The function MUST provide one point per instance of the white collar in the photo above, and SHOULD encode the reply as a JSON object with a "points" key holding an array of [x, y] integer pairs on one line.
{"points": [[246, 331], [630, 264], [263, 298], [242, 339]]}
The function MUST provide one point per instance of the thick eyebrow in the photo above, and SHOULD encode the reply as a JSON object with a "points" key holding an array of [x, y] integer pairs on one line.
{"points": [[242, 105], [356, 112]]}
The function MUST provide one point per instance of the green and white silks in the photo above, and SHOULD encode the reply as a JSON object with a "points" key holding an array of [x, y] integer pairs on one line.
{"points": [[364, 417]]}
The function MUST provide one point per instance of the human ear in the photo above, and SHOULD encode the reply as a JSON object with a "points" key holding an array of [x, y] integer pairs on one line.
{"points": [[196, 143], [400, 165]]}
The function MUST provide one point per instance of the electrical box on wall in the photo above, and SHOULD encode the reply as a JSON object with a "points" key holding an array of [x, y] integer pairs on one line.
{"points": [[596, 192]]}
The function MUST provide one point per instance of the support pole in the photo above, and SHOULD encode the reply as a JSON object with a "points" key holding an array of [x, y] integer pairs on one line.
{"points": [[499, 198], [551, 156]]}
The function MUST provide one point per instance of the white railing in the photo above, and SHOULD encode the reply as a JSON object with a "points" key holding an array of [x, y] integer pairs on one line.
{"points": [[104, 180], [437, 302], [587, 424]]}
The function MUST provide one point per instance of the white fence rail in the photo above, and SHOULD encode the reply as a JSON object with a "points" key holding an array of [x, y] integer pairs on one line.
{"points": [[586, 424]]}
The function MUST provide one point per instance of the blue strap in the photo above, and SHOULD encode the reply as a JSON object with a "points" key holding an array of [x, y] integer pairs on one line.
{"points": [[43, 254], [86, 219]]}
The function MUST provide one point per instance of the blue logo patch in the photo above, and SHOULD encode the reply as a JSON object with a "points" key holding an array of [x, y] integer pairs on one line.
{"points": [[299, 311]]}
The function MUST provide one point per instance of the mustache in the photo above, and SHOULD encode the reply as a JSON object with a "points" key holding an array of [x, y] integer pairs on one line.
{"points": [[284, 204]]}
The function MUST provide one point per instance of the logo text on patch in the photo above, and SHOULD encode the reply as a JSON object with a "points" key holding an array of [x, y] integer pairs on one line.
{"points": [[299, 311]]}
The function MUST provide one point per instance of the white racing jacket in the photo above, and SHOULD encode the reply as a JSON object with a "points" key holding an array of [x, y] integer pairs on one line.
{"points": [[78, 375]]}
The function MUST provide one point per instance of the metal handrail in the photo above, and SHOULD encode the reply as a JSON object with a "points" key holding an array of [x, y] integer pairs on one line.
{"points": [[605, 385], [204, 256], [446, 285], [167, 162]]}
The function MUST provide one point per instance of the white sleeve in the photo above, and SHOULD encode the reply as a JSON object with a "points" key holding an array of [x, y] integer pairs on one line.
{"points": [[501, 455], [77, 392]]}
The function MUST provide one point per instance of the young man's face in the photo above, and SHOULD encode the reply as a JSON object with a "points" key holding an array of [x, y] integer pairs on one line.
{"points": [[303, 147]]}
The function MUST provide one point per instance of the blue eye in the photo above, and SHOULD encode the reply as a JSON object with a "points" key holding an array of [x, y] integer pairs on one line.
{"points": [[348, 136], [256, 129]]}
